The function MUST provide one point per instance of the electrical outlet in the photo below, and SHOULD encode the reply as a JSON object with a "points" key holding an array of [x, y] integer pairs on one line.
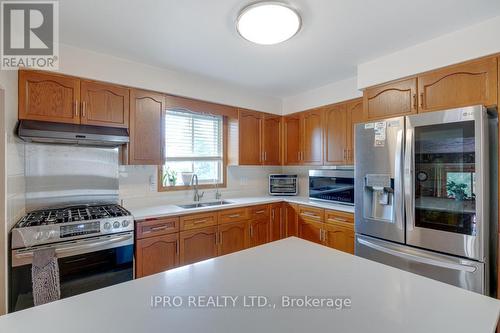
{"points": [[152, 184]]}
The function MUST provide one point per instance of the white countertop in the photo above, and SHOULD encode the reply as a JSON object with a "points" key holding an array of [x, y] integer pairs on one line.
{"points": [[383, 299], [173, 210]]}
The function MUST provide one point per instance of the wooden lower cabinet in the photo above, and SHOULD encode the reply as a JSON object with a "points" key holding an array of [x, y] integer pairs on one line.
{"points": [[340, 237], [311, 230], [278, 230], [260, 231], [232, 237], [197, 245], [160, 245], [156, 254], [290, 217]]}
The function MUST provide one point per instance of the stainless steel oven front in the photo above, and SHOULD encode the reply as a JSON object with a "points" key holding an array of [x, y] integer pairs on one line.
{"points": [[84, 265], [332, 185]]}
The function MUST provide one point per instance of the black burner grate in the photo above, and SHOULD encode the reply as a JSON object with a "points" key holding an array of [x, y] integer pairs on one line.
{"points": [[71, 214]]}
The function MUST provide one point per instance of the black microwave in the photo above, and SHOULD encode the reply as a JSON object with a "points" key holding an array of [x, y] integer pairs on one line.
{"points": [[332, 185]]}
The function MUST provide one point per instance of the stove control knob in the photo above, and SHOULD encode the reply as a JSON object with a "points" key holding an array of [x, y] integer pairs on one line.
{"points": [[107, 226], [116, 225], [39, 235], [52, 234], [125, 223]]}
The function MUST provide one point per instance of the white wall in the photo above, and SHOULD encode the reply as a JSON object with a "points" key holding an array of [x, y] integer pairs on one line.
{"points": [[332, 93], [13, 196], [472, 42], [98, 66]]}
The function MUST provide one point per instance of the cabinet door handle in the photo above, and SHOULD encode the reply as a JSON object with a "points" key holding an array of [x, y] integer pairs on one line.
{"points": [[272, 214], [220, 238], [234, 216], [199, 221], [320, 235], [153, 229], [84, 104], [324, 236], [338, 219], [251, 231], [177, 246], [259, 211], [298, 155], [421, 100], [265, 156], [311, 215], [414, 101], [76, 109]]}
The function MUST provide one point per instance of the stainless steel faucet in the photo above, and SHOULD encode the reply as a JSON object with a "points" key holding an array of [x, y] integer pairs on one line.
{"points": [[218, 195], [197, 194]]}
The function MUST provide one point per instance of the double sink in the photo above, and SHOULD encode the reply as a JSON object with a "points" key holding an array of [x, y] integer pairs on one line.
{"points": [[205, 204]]}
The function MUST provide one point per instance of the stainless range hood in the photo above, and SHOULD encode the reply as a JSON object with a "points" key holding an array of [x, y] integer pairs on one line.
{"points": [[84, 135]]}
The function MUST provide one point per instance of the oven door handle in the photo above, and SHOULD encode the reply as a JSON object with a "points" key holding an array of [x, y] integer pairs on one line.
{"points": [[23, 257], [91, 245]]}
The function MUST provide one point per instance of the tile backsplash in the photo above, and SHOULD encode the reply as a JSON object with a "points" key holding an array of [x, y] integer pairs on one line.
{"points": [[138, 185]]}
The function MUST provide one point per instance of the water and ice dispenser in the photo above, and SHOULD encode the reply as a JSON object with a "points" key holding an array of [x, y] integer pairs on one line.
{"points": [[379, 197]]}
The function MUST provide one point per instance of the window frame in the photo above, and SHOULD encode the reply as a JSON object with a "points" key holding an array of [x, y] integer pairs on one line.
{"points": [[223, 184]]}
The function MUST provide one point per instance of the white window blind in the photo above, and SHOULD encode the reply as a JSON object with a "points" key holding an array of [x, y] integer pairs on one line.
{"points": [[194, 143]]}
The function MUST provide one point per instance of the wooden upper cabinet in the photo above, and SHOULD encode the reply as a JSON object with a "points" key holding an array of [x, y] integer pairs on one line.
{"points": [[391, 99], [291, 138], [336, 134], [355, 116], [156, 254], [104, 104], [49, 97], [272, 139], [250, 143], [146, 127], [312, 136], [471, 83], [197, 245], [233, 237]]}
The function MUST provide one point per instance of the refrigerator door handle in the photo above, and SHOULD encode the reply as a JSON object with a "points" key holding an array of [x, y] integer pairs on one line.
{"points": [[408, 180], [424, 260], [398, 181]]}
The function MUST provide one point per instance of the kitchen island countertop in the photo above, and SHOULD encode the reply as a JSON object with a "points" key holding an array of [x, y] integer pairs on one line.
{"points": [[382, 298], [148, 212]]}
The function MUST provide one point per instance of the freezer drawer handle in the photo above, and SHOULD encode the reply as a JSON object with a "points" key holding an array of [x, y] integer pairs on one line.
{"points": [[422, 260]]}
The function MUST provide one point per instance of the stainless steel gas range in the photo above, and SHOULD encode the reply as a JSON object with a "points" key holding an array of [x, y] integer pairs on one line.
{"points": [[72, 200], [93, 245]]}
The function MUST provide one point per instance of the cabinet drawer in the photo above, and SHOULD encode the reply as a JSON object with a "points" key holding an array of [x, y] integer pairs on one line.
{"points": [[196, 221], [311, 213], [259, 211], [233, 215], [336, 217], [156, 227]]}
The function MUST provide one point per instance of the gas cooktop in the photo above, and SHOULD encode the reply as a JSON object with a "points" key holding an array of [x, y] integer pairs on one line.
{"points": [[73, 222]]}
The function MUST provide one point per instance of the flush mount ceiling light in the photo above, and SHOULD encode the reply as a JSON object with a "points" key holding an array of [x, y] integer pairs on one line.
{"points": [[268, 23]]}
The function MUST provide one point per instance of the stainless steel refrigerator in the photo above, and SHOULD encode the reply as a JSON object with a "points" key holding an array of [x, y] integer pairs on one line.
{"points": [[425, 194]]}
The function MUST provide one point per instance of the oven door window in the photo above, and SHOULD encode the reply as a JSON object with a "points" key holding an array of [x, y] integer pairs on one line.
{"points": [[332, 189], [78, 274], [445, 177]]}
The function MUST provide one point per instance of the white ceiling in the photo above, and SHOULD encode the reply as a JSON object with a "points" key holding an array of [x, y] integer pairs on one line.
{"points": [[199, 36]]}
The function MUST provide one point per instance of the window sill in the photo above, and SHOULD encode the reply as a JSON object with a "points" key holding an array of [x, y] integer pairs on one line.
{"points": [[162, 188]]}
